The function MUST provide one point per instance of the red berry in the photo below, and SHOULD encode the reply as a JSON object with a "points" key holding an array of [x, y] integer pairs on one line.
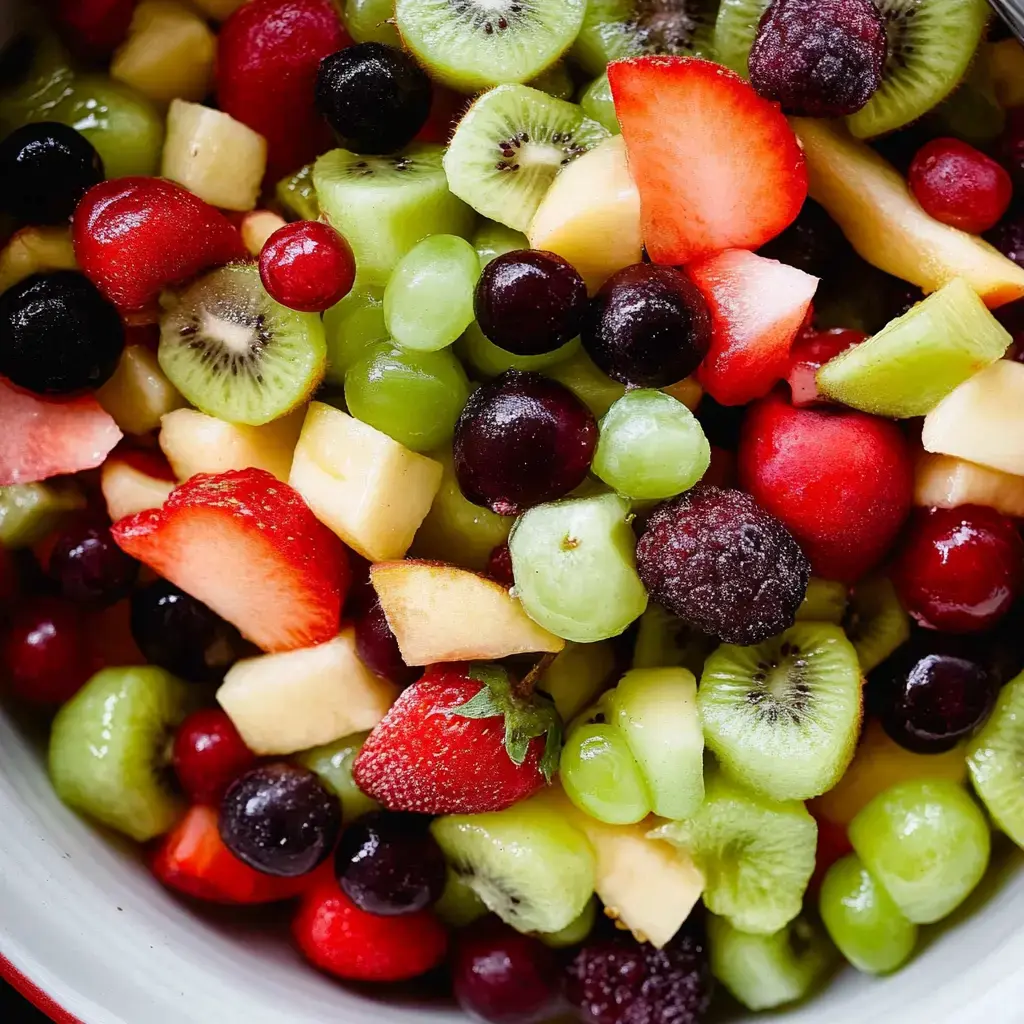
{"points": [[960, 569], [499, 565], [960, 186], [44, 651], [209, 755], [307, 266], [8, 579], [377, 647], [94, 28], [810, 352], [338, 937]]}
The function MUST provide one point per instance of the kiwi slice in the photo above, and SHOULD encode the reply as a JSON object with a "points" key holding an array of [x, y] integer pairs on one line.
{"points": [[825, 601], [384, 205], [235, 353], [297, 195], [765, 971], [613, 29], [576, 933], [995, 759], [735, 28], [931, 44], [757, 855], [28, 512], [597, 103], [556, 81], [527, 863], [783, 717], [664, 641], [110, 749], [875, 622], [474, 44], [508, 148], [333, 764]]}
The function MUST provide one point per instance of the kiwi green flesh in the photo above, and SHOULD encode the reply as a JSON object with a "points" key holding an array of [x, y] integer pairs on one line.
{"points": [[735, 28], [475, 44], [931, 44], [875, 622], [109, 749], [825, 601], [783, 717], [235, 353], [297, 195], [597, 103], [508, 148], [995, 760]]}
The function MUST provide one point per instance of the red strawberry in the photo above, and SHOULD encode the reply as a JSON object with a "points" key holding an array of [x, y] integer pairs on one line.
{"points": [[194, 860], [757, 307], [338, 937], [810, 352], [717, 166], [248, 546], [268, 53], [842, 481], [41, 438], [459, 742], [94, 28], [135, 236]]}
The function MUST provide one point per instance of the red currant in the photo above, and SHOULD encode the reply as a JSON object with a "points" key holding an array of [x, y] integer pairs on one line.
{"points": [[209, 755], [307, 266], [960, 186], [961, 569], [45, 651]]}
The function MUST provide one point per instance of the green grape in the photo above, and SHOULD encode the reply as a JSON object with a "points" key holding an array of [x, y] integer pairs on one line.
{"points": [[575, 933], [555, 81], [45, 82], [428, 301], [927, 843], [297, 195], [577, 676], [598, 105], [665, 641], [352, 326], [596, 390], [601, 776], [575, 567], [372, 21], [459, 905], [333, 763], [494, 239], [414, 397], [28, 512], [862, 919], [485, 358], [651, 446]]}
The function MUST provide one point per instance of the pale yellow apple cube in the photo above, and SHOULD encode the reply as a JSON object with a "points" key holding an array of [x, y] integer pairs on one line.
{"points": [[944, 481], [127, 489], [139, 393]]}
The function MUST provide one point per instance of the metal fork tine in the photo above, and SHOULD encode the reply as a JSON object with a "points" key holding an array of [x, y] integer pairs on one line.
{"points": [[1012, 12]]}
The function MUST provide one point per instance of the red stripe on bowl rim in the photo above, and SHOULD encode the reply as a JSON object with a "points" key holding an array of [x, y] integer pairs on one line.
{"points": [[29, 990]]}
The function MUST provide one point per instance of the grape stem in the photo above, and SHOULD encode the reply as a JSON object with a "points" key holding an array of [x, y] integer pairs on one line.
{"points": [[524, 688]]}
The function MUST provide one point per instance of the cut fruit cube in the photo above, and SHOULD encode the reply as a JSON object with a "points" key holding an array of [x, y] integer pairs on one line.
{"points": [[442, 613], [257, 227], [139, 393], [196, 443], [218, 158], [919, 358], [133, 482], [870, 200], [283, 703], [591, 214], [35, 250], [942, 481], [370, 490], [983, 420]]}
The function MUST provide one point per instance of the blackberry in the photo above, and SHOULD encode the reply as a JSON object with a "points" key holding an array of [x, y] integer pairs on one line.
{"points": [[724, 565], [1008, 237]]}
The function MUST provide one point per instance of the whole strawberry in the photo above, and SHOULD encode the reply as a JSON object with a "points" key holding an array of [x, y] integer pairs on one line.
{"points": [[460, 741]]}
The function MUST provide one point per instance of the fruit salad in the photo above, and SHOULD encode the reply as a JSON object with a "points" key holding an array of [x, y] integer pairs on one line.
{"points": [[533, 487]]}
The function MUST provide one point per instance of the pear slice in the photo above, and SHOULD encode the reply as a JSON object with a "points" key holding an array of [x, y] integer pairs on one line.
{"points": [[942, 481]]}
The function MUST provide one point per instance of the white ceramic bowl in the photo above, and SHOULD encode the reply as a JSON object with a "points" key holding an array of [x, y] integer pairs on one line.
{"points": [[89, 935]]}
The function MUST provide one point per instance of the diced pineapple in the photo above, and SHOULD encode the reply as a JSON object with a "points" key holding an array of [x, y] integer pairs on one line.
{"points": [[591, 214], [946, 482], [218, 158], [33, 251], [370, 490], [257, 227], [139, 393], [169, 52], [128, 488]]}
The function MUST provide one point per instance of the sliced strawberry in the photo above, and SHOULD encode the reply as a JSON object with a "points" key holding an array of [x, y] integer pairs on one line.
{"points": [[810, 352], [757, 307], [41, 438], [717, 167], [248, 546], [135, 236]]}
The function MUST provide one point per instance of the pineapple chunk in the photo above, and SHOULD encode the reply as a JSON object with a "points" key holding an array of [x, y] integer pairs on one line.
{"points": [[946, 482], [257, 227], [591, 214], [33, 251], [870, 201], [982, 420], [218, 158], [139, 393], [169, 52], [128, 487], [370, 490], [196, 443]]}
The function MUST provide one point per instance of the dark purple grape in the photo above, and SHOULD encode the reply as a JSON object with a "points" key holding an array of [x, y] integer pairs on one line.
{"points": [[184, 636], [530, 302], [89, 567], [522, 440], [648, 326], [813, 243], [279, 819], [378, 648], [389, 864], [503, 977]]}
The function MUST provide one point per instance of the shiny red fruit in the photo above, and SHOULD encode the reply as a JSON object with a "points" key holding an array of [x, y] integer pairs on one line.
{"points": [[94, 28], [44, 654], [209, 755], [499, 565], [810, 352], [307, 266], [842, 481], [960, 569]]}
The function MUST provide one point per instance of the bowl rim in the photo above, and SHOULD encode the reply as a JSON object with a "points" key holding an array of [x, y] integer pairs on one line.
{"points": [[30, 991]]}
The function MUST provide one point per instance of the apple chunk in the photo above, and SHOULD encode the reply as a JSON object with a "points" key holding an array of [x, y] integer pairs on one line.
{"points": [[133, 482], [946, 482], [281, 703], [442, 613]]}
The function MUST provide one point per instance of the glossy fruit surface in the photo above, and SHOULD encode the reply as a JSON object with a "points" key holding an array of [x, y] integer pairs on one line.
{"points": [[44, 651], [89, 567], [307, 266], [810, 352], [209, 755], [378, 648]]}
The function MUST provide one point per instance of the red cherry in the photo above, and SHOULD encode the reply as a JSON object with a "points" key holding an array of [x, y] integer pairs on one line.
{"points": [[960, 569], [94, 28], [811, 351], [960, 186], [209, 755], [307, 266], [45, 652]]}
